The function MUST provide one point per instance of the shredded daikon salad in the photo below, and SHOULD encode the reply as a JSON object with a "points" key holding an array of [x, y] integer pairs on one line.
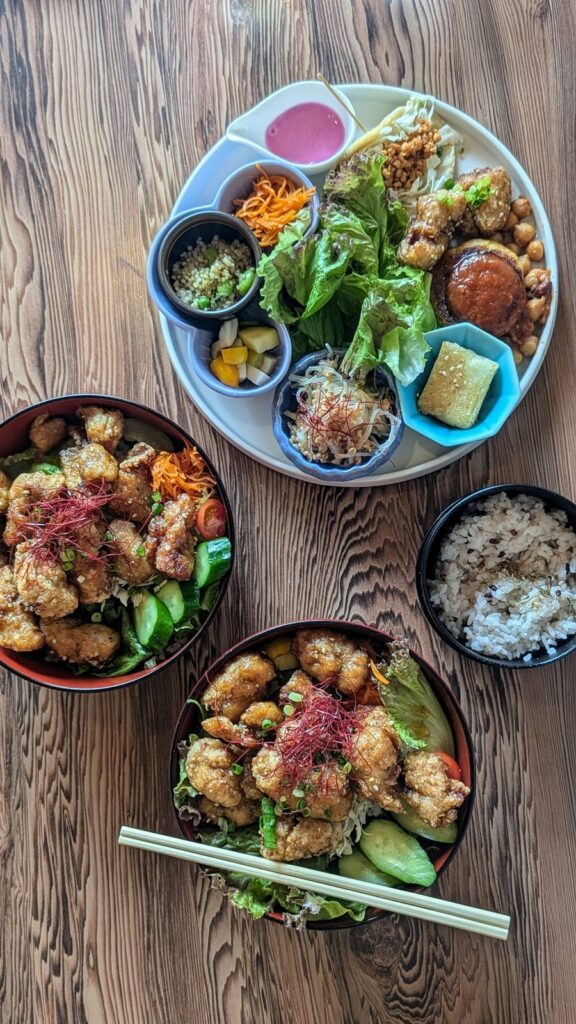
{"points": [[339, 419]]}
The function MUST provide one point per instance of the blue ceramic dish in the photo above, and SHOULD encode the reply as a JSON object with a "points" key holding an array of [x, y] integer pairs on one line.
{"points": [[285, 401], [503, 394], [239, 184], [200, 359]]}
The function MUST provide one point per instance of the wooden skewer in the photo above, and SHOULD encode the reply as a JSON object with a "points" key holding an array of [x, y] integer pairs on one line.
{"points": [[332, 90]]}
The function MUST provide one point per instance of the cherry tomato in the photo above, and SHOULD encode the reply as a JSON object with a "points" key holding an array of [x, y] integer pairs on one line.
{"points": [[211, 519], [454, 770]]}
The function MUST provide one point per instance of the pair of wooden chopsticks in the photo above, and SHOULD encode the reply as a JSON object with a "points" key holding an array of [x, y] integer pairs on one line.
{"points": [[382, 897]]}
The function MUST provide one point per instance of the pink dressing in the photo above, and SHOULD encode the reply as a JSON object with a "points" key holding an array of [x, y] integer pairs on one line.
{"points": [[306, 134]]}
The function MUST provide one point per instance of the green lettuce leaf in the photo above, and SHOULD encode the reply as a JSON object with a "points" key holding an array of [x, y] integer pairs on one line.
{"points": [[412, 705], [358, 185]]}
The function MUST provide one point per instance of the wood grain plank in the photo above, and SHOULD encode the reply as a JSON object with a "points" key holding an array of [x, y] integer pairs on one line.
{"points": [[105, 106]]}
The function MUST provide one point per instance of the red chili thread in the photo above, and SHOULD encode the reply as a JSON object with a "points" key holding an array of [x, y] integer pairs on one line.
{"points": [[56, 523]]}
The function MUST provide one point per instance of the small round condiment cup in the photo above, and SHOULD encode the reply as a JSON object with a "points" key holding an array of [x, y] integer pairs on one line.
{"points": [[428, 556], [285, 402], [250, 128], [238, 185], [200, 358], [172, 240]]}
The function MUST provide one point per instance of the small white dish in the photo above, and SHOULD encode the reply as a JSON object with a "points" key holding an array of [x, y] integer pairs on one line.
{"points": [[250, 128]]}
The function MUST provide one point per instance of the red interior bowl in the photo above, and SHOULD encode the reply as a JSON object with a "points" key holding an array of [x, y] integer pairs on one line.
{"points": [[13, 438], [377, 639]]}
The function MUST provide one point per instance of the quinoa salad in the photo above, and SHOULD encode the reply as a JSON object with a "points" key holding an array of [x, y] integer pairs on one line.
{"points": [[215, 274], [505, 579]]}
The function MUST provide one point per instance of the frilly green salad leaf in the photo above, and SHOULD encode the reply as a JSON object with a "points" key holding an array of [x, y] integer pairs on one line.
{"points": [[412, 705], [344, 286]]}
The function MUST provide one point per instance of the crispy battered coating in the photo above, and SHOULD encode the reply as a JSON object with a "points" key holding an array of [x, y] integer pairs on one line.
{"points": [[170, 542], [92, 578], [248, 782], [490, 216], [223, 729], [130, 564], [304, 838], [88, 643], [132, 495], [242, 681], [245, 813], [26, 489], [5, 485], [430, 790], [326, 790], [332, 658], [373, 753], [430, 229], [104, 426], [208, 765], [262, 711], [88, 464], [46, 432], [4, 559], [43, 584], [19, 630], [299, 682]]}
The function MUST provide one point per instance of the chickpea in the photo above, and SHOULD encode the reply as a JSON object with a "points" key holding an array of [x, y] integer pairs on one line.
{"points": [[513, 248], [498, 237], [532, 278], [523, 234], [525, 264], [530, 345], [536, 308], [521, 207], [535, 250], [511, 222], [518, 357]]}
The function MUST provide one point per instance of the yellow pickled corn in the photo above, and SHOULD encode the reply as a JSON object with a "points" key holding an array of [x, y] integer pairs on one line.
{"points": [[281, 645], [234, 356], [225, 374]]}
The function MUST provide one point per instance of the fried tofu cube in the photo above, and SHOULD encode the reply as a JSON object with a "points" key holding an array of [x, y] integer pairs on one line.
{"points": [[457, 386]]}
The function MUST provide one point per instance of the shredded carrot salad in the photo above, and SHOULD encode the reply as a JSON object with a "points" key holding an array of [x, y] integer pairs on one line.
{"points": [[184, 472], [272, 204]]}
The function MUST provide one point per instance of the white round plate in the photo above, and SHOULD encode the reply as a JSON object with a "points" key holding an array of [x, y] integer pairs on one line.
{"points": [[247, 422]]}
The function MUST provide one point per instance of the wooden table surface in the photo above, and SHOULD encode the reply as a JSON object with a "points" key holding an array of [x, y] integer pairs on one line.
{"points": [[106, 107]]}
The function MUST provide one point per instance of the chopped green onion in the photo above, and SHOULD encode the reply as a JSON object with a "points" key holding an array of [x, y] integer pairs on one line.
{"points": [[448, 184], [157, 507], [141, 551], [288, 710], [295, 697], [346, 767], [300, 805], [298, 791], [479, 192], [156, 496], [267, 723], [237, 769], [108, 535], [306, 812], [268, 823], [96, 617]]}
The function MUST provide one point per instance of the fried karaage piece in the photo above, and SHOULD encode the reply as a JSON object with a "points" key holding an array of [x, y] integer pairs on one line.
{"points": [[42, 583], [263, 711], [132, 494], [231, 732], [245, 813], [90, 572], [242, 681], [330, 657], [130, 563], [430, 790], [247, 780], [208, 765], [491, 215], [104, 426], [26, 489], [373, 752], [19, 630], [46, 432], [89, 643], [5, 485], [430, 228], [88, 464], [170, 542], [325, 792], [300, 683], [296, 840]]}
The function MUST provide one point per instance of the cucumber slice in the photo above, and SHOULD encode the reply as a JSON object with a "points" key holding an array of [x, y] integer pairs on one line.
{"points": [[412, 822], [213, 558], [181, 599], [209, 598], [136, 430], [356, 865], [153, 622], [397, 853]]}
